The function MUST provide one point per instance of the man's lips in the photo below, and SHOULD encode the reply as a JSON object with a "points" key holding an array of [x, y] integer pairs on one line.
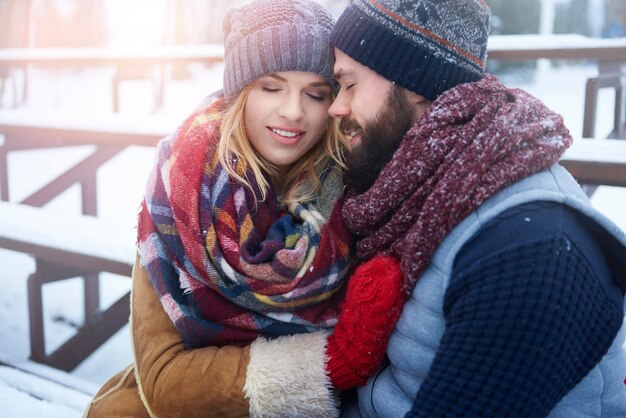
{"points": [[351, 129], [354, 137]]}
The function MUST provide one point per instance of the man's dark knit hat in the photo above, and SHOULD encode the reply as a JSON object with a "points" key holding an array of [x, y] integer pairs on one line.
{"points": [[426, 46]]}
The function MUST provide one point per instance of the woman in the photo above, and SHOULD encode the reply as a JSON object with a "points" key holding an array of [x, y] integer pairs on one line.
{"points": [[242, 253]]}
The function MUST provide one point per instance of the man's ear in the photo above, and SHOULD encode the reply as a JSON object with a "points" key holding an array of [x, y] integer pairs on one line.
{"points": [[419, 103]]}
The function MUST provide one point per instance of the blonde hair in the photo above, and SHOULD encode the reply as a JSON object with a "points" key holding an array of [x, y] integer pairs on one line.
{"points": [[301, 182]]}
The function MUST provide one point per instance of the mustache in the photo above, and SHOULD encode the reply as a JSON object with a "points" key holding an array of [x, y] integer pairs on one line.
{"points": [[348, 125]]}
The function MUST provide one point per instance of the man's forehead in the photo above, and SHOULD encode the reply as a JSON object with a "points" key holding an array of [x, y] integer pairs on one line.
{"points": [[344, 64]]}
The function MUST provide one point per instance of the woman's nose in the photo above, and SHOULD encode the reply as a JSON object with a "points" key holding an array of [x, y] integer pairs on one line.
{"points": [[291, 107]]}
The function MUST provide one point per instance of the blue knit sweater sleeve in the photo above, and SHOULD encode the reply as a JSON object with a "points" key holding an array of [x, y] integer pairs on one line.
{"points": [[529, 311]]}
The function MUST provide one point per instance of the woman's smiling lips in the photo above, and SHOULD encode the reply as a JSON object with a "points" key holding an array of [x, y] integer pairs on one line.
{"points": [[286, 136]]}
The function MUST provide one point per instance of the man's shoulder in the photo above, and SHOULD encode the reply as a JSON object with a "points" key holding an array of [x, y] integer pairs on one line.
{"points": [[524, 224]]}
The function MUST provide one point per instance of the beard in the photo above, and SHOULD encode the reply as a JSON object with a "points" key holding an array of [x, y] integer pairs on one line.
{"points": [[380, 139]]}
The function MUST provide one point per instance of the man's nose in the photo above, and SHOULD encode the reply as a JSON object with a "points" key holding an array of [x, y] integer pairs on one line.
{"points": [[340, 107]]}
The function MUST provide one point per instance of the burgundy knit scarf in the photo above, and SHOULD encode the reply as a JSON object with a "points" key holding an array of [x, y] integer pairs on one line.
{"points": [[474, 140]]}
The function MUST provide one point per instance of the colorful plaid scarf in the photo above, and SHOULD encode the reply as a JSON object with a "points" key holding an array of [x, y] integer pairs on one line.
{"points": [[473, 141], [226, 267]]}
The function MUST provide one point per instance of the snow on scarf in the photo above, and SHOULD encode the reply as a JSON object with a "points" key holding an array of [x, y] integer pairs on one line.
{"points": [[474, 140], [226, 269]]}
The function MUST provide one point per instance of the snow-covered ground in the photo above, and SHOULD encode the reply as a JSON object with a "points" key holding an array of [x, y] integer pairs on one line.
{"points": [[30, 395], [85, 96], [120, 184]]}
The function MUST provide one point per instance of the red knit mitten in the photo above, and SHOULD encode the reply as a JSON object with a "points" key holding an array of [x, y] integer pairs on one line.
{"points": [[368, 314]]}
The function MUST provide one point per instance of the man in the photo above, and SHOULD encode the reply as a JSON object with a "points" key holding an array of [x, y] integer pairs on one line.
{"points": [[515, 284]]}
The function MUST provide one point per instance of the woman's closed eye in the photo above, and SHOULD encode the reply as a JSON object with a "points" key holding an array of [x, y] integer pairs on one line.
{"points": [[318, 96]]}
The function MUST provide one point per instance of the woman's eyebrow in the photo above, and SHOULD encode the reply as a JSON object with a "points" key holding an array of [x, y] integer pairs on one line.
{"points": [[277, 77], [312, 84], [319, 84]]}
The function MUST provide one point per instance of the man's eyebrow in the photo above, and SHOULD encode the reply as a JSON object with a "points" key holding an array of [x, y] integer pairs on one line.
{"points": [[339, 74]]}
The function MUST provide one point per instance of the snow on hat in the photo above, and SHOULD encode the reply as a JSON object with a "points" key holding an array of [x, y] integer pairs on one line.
{"points": [[426, 46]]}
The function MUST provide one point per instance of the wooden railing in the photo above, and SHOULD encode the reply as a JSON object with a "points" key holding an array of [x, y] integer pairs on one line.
{"points": [[147, 63], [610, 55], [596, 162]]}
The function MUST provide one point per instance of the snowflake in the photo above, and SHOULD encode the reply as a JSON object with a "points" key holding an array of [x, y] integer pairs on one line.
{"points": [[426, 10]]}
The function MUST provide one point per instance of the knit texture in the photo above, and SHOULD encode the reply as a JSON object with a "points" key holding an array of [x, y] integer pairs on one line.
{"points": [[269, 36], [519, 334], [426, 46], [474, 140], [369, 312], [227, 265]]}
